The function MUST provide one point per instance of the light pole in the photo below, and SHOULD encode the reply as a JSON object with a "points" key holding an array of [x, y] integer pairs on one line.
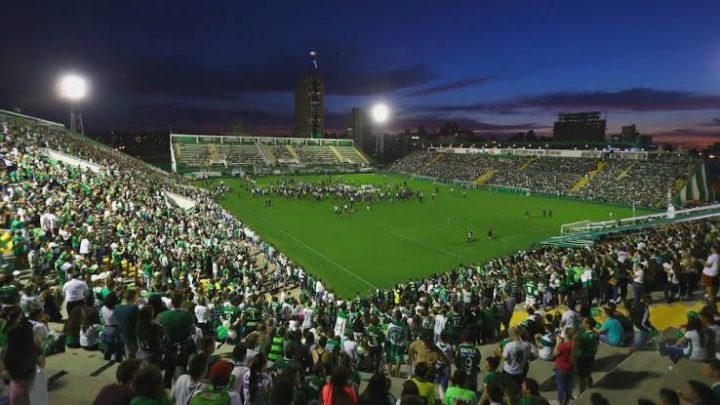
{"points": [[380, 113], [74, 88]]}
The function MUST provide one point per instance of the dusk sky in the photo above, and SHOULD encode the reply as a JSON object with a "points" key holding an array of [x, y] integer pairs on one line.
{"points": [[492, 66]]}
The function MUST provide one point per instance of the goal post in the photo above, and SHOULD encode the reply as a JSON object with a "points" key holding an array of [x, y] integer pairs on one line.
{"points": [[498, 188], [574, 227]]}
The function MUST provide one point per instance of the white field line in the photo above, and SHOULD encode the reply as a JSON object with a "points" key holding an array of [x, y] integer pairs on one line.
{"points": [[312, 249]]}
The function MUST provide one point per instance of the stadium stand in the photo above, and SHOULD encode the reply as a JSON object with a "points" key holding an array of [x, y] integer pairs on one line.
{"points": [[602, 177], [193, 153], [208, 309]]}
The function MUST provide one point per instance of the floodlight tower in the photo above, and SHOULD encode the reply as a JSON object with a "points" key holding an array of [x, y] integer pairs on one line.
{"points": [[73, 88]]}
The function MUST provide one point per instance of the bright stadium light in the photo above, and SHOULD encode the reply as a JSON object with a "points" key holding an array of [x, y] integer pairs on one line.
{"points": [[380, 113], [72, 87]]}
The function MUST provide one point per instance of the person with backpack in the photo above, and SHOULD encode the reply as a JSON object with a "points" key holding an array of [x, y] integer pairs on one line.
{"points": [[216, 391], [424, 381], [188, 384], [321, 356]]}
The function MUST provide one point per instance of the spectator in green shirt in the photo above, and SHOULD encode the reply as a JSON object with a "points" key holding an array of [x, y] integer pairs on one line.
{"points": [[179, 327], [458, 393]]}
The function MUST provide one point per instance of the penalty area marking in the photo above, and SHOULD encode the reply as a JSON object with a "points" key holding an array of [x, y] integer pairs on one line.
{"points": [[312, 249], [421, 243]]}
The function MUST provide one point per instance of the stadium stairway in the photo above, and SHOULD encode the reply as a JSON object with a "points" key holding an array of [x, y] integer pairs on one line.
{"points": [[435, 159], [526, 164], [642, 375], [292, 152], [337, 154], [587, 178], [624, 173], [266, 154], [485, 177]]}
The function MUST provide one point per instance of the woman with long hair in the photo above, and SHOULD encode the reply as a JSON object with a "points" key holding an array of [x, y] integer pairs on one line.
{"points": [[111, 334], [150, 337], [338, 391], [23, 362], [90, 329], [377, 391], [256, 383], [694, 343]]}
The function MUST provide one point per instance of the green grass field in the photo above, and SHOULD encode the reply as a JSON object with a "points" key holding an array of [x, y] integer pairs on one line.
{"points": [[397, 241]]}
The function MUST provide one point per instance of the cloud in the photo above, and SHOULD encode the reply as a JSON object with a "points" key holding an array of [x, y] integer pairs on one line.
{"points": [[633, 99], [691, 137], [467, 124], [450, 86], [180, 77]]}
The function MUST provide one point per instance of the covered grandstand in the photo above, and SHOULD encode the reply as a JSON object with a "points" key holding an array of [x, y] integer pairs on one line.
{"points": [[226, 154]]}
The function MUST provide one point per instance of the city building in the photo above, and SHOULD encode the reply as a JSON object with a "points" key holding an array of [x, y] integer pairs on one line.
{"points": [[361, 130], [579, 127], [309, 100], [630, 134]]}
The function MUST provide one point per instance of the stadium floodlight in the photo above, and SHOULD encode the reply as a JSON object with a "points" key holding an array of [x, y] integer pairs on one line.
{"points": [[72, 87], [380, 113]]}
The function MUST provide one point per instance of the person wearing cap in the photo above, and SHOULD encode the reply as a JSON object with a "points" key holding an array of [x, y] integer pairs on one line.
{"points": [[216, 391]]}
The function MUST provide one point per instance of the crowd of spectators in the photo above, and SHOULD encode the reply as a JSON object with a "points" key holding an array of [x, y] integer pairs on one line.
{"points": [[203, 279], [640, 182]]}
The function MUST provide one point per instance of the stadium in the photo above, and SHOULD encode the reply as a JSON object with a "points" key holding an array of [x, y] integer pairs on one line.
{"points": [[198, 245]]}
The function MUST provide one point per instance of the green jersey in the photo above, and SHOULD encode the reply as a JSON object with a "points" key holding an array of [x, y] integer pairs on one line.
{"points": [[587, 344], [397, 341], [375, 336], [454, 324], [230, 313], [313, 387], [468, 359]]}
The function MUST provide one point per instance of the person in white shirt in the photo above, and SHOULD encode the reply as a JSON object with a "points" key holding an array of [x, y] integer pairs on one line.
{"points": [[85, 248], [48, 223], [202, 314], [74, 291], [350, 347], [239, 367], [188, 384], [638, 283], [710, 274], [440, 321], [516, 354]]}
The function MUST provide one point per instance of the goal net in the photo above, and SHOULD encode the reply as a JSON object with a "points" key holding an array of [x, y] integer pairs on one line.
{"points": [[508, 189], [574, 227]]}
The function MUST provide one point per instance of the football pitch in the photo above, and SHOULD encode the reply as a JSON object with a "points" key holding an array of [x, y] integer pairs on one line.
{"points": [[401, 240]]}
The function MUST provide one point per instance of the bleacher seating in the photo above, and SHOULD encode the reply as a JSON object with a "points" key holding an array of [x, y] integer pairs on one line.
{"points": [[640, 182], [199, 152]]}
